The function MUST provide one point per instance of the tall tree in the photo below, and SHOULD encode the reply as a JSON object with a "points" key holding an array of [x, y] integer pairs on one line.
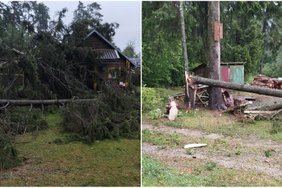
{"points": [[215, 95], [129, 50], [185, 56]]}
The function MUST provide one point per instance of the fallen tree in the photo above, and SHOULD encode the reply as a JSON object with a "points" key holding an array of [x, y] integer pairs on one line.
{"points": [[239, 87], [23, 102]]}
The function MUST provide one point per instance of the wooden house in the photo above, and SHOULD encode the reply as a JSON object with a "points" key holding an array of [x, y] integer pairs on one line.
{"points": [[113, 65]]}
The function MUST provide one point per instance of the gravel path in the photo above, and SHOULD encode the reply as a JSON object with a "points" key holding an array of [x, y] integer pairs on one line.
{"points": [[252, 158]]}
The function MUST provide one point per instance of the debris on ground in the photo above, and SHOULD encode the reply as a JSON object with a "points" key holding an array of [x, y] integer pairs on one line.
{"points": [[194, 146], [265, 81], [251, 107]]}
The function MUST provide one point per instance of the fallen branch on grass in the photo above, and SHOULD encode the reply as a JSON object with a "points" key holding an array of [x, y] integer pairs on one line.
{"points": [[25, 102]]}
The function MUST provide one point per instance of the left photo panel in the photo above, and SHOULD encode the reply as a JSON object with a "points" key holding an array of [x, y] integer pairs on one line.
{"points": [[70, 93]]}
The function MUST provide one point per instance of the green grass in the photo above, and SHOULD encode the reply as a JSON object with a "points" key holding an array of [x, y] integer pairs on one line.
{"points": [[210, 122], [161, 139], [224, 124], [156, 173], [49, 163]]}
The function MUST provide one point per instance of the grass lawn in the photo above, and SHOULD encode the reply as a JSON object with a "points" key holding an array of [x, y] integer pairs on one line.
{"points": [[214, 122], [50, 160]]}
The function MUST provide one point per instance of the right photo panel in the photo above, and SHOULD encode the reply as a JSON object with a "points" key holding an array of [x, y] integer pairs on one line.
{"points": [[211, 93]]}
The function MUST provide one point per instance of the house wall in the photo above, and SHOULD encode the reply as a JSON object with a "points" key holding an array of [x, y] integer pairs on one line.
{"points": [[115, 70]]}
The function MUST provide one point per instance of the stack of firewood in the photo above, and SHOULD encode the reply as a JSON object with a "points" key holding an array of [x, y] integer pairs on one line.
{"points": [[265, 81]]}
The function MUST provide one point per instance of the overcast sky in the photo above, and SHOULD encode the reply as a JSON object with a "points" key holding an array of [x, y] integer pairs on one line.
{"points": [[125, 13]]}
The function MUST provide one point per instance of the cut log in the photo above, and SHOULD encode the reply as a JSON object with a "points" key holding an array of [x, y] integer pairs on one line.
{"points": [[42, 102], [239, 87], [267, 107]]}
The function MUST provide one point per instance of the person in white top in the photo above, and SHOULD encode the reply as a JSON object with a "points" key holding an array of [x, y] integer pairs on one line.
{"points": [[172, 109]]}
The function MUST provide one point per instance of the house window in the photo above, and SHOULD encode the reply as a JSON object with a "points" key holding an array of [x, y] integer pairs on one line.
{"points": [[112, 75]]}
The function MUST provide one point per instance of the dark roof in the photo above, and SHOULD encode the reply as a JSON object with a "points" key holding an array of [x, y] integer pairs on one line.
{"points": [[94, 31], [107, 54]]}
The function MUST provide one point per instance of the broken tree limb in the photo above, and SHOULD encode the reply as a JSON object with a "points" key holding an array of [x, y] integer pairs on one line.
{"points": [[239, 87], [24, 102]]}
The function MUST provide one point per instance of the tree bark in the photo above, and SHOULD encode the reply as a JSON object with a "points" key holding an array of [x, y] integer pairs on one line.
{"points": [[42, 102], [185, 56], [215, 99], [239, 87]]}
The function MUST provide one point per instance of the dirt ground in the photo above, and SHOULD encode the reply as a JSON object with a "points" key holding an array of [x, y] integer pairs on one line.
{"points": [[250, 158]]}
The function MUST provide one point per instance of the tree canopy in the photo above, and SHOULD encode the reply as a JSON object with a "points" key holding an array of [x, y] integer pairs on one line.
{"points": [[47, 51]]}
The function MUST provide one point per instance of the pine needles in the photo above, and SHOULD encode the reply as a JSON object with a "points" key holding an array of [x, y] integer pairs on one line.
{"points": [[115, 113]]}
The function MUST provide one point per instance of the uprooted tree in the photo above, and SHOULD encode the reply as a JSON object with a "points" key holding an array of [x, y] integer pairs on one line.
{"points": [[41, 59]]}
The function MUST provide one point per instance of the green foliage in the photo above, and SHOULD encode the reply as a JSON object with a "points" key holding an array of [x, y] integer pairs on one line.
{"points": [[150, 99], [13, 122], [160, 139], [156, 174], [48, 54], [8, 154], [22, 120], [268, 153], [276, 127], [129, 50], [155, 114], [114, 114], [252, 34], [210, 166]]}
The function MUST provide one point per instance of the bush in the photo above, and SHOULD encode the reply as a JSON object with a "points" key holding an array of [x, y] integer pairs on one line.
{"points": [[8, 154], [150, 99], [155, 114], [21, 120], [114, 114], [16, 121], [276, 127]]}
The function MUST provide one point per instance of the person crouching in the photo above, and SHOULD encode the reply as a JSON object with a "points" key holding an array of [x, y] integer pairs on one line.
{"points": [[172, 109]]}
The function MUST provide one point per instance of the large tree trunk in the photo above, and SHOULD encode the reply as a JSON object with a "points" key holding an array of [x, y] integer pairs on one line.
{"points": [[24, 102], [185, 56], [215, 99], [239, 87]]}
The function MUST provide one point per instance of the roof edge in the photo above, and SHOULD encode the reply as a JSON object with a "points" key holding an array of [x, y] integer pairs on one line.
{"points": [[101, 36]]}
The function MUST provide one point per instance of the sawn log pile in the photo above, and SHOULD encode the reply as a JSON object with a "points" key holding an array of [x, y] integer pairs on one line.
{"points": [[265, 81]]}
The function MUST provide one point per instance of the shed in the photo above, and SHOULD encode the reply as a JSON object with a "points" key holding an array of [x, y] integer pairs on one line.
{"points": [[230, 71]]}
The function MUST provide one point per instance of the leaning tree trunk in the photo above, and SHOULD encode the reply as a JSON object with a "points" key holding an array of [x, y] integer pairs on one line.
{"points": [[185, 56], [215, 99]]}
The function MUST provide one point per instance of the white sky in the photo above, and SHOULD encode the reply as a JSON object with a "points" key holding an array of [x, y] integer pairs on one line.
{"points": [[126, 13]]}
